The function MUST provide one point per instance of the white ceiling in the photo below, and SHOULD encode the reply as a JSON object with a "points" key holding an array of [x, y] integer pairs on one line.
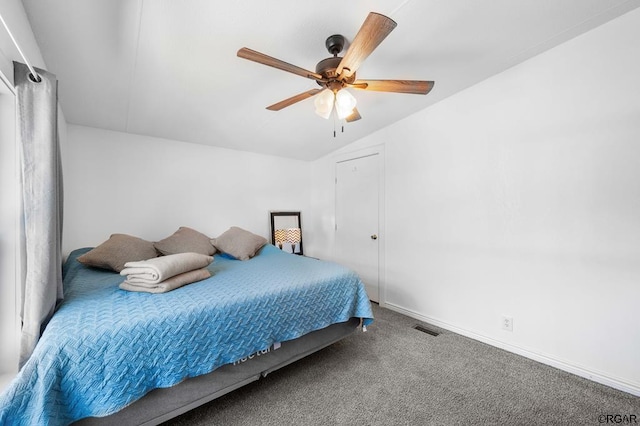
{"points": [[169, 68]]}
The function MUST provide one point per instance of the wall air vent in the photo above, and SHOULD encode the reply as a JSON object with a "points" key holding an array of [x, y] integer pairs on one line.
{"points": [[425, 330]]}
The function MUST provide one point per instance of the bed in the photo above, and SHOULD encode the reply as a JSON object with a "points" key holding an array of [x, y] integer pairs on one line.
{"points": [[109, 355]]}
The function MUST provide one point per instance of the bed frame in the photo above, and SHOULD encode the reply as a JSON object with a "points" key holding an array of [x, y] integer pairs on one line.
{"points": [[161, 405]]}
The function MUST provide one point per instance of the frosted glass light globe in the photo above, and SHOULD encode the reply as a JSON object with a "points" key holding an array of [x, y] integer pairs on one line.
{"points": [[345, 103], [324, 103]]}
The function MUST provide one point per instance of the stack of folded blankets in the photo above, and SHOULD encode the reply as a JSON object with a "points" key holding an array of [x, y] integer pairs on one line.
{"points": [[165, 273]]}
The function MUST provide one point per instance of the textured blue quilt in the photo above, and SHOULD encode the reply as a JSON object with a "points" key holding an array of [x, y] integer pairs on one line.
{"points": [[105, 348]]}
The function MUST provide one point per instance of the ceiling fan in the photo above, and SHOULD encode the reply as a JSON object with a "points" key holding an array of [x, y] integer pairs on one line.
{"points": [[336, 73]]}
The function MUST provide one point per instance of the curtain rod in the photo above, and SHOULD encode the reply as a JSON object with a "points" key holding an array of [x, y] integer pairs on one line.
{"points": [[34, 75]]}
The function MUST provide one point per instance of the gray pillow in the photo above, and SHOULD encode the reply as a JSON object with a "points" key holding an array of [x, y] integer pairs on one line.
{"points": [[239, 243], [118, 250], [185, 240]]}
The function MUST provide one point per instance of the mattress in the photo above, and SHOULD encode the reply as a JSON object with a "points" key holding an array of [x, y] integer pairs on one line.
{"points": [[105, 348]]}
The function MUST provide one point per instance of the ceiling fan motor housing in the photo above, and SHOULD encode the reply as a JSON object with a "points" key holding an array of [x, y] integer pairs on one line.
{"points": [[327, 67]]}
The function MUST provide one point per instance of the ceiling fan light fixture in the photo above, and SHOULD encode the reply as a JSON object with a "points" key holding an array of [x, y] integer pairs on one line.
{"points": [[336, 72], [324, 103], [345, 103]]}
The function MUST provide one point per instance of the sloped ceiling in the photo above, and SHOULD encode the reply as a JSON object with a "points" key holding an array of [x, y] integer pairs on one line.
{"points": [[169, 69]]}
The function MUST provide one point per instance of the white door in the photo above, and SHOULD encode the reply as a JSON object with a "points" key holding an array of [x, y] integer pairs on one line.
{"points": [[357, 219]]}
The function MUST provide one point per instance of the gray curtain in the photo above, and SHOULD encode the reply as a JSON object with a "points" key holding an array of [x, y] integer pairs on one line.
{"points": [[37, 132]]}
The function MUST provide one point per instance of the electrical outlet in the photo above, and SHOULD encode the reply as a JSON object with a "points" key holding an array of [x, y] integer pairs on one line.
{"points": [[507, 323]]}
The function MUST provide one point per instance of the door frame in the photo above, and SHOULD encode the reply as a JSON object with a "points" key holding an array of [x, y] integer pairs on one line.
{"points": [[354, 155]]}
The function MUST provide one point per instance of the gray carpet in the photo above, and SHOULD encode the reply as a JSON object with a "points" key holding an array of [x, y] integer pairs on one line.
{"points": [[396, 375]]}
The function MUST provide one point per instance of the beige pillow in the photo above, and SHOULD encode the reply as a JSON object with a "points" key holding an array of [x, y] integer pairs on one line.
{"points": [[118, 250], [239, 243], [185, 240]]}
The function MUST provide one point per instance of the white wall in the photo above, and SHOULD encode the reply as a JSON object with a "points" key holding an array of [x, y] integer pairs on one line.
{"points": [[521, 196], [148, 187]]}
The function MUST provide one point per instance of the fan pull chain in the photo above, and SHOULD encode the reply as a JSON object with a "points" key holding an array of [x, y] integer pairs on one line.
{"points": [[335, 115], [334, 124]]}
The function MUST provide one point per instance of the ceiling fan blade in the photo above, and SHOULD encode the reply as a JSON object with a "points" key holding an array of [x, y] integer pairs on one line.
{"points": [[374, 29], [354, 116], [261, 58], [292, 100], [417, 87]]}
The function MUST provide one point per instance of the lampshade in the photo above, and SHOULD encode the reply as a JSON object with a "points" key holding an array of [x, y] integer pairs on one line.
{"points": [[289, 239], [280, 235], [324, 103], [289, 235], [345, 103], [294, 235]]}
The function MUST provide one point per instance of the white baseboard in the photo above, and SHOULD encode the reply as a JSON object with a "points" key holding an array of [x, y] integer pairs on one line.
{"points": [[633, 389]]}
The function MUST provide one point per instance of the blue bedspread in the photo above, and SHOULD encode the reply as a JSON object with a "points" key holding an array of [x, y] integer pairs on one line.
{"points": [[105, 347]]}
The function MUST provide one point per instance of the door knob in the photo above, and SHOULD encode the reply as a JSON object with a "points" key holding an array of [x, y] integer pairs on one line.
{"points": [[374, 237]]}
